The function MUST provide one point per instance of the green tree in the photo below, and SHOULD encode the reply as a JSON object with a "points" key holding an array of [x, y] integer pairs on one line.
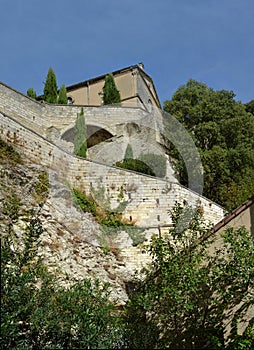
{"points": [[223, 132], [110, 93], [250, 107], [128, 152], [31, 93], [50, 87], [184, 296], [62, 97], [80, 144]]}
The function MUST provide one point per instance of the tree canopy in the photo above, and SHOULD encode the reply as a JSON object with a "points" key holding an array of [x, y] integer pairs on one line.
{"points": [[110, 93], [223, 132], [250, 106]]}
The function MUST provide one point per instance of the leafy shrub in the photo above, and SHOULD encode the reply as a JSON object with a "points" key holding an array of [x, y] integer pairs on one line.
{"points": [[156, 162], [8, 153], [38, 313], [135, 165], [84, 203]]}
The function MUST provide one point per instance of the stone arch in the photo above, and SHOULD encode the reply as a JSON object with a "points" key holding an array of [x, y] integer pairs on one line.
{"points": [[95, 135]]}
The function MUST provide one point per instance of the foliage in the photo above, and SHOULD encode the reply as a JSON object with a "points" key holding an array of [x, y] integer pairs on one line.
{"points": [[31, 93], [84, 203], [110, 93], [62, 97], [250, 106], [41, 186], [156, 162], [80, 145], [182, 300], [128, 152], [39, 313], [103, 215], [8, 154], [50, 87], [223, 132], [135, 165]]}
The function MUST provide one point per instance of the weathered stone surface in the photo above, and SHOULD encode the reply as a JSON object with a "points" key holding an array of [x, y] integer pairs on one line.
{"points": [[73, 241]]}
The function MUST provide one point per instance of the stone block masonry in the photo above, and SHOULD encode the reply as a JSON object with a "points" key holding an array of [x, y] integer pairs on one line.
{"points": [[144, 200]]}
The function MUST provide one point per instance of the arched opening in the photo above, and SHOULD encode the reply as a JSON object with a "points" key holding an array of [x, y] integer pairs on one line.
{"points": [[95, 135]]}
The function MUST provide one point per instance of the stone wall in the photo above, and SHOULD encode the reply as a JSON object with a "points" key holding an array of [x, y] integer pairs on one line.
{"points": [[147, 199], [40, 116]]}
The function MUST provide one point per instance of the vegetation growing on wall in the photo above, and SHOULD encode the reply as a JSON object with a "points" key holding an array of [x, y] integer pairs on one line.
{"points": [[8, 155], [135, 165], [156, 162], [102, 213]]}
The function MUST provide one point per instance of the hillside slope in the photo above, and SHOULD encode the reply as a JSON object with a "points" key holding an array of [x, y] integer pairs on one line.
{"points": [[73, 242]]}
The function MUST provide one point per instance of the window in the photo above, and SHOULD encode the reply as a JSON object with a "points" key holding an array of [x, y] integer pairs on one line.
{"points": [[69, 100]]}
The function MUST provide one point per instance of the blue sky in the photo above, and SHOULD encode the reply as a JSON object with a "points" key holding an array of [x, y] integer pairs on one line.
{"points": [[211, 41]]}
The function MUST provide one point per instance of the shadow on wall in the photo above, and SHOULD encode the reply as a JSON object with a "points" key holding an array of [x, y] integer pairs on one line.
{"points": [[95, 135]]}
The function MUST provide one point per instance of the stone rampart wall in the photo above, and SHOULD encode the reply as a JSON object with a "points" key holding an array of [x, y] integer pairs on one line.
{"points": [[40, 116], [147, 200]]}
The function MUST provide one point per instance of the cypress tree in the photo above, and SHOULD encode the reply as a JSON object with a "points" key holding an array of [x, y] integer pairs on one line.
{"points": [[31, 93], [110, 93], [80, 145], [128, 152], [62, 98], [50, 88]]}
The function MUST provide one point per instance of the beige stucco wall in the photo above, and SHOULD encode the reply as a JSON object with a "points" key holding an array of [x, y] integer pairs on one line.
{"points": [[92, 94], [245, 218], [135, 90]]}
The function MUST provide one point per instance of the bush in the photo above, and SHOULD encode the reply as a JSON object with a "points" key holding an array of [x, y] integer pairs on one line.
{"points": [[135, 165], [84, 203], [156, 162], [8, 154], [38, 313]]}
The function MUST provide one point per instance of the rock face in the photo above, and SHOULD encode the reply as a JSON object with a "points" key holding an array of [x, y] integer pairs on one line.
{"points": [[72, 243]]}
